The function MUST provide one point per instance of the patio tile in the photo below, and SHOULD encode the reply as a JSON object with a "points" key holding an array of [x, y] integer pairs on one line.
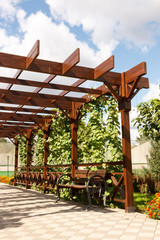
{"points": [[36, 216]]}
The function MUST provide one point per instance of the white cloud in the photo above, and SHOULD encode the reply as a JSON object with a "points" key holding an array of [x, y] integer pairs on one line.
{"points": [[8, 9], [154, 92], [56, 40], [108, 22]]}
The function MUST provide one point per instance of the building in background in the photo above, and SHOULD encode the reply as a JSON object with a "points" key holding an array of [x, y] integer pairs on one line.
{"points": [[6, 159], [139, 155]]}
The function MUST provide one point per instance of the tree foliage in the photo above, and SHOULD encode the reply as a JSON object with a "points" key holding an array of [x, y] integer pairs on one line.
{"points": [[148, 119], [98, 135], [148, 124], [154, 160]]}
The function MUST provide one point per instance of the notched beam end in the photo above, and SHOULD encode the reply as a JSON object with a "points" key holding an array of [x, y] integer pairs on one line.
{"points": [[135, 72], [33, 54], [71, 61], [104, 67]]}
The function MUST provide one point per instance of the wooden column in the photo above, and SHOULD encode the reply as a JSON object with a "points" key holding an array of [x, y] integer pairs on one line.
{"points": [[46, 150], [125, 107], [16, 162], [29, 133], [74, 129]]}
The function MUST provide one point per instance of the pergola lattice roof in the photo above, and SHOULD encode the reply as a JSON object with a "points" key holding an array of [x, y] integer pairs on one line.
{"points": [[34, 98]]}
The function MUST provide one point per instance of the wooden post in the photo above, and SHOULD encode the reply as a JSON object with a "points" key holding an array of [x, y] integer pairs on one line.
{"points": [[74, 129], [125, 107], [16, 162], [29, 133], [46, 151]]}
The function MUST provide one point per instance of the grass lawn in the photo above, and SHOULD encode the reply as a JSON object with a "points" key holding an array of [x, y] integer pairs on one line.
{"points": [[140, 200]]}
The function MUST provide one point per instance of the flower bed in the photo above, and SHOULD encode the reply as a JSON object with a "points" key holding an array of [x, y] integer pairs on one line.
{"points": [[153, 207], [7, 180]]}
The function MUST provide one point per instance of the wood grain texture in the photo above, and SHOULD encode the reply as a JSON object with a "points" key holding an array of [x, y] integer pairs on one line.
{"points": [[104, 67], [135, 72], [33, 54], [71, 61]]}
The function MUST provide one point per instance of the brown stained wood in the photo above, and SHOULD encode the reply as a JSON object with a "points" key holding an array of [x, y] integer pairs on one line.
{"points": [[21, 117], [104, 67], [71, 61], [133, 87], [8, 123], [143, 83], [14, 128], [35, 102], [18, 73], [74, 130], [20, 109], [126, 146], [23, 95], [55, 68], [29, 134], [135, 72], [33, 54], [46, 149], [48, 85]]}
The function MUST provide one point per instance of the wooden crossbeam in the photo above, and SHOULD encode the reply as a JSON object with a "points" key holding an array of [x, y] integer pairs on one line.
{"points": [[71, 61], [20, 109], [67, 105], [104, 67], [18, 123], [135, 72], [22, 117], [48, 85], [23, 95], [55, 68], [33, 54]]}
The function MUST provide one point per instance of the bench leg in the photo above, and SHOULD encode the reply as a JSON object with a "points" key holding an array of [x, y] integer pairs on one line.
{"points": [[89, 199], [104, 198], [58, 195]]}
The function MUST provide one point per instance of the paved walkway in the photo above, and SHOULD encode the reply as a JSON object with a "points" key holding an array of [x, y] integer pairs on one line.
{"points": [[30, 215]]}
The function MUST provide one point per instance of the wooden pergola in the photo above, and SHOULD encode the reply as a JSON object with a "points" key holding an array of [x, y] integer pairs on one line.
{"points": [[34, 107]]}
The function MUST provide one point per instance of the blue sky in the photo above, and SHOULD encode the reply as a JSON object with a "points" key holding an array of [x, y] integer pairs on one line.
{"points": [[100, 28]]}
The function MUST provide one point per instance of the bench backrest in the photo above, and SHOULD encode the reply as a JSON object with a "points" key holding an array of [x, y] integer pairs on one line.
{"points": [[101, 172], [81, 173], [88, 173]]}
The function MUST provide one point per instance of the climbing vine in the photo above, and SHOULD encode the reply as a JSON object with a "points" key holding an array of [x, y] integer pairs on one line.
{"points": [[98, 135]]}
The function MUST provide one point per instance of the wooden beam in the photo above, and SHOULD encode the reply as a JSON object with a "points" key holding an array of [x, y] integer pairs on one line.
{"points": [[29, 134], [21, 117], [126, 148], [54, 68], [135, 72], [74, 129], [46, 149], [20, 109], [16, 161], [38, 95], [35, 102], [48, 85], [33, 54], [71, 61], [104, 67]]}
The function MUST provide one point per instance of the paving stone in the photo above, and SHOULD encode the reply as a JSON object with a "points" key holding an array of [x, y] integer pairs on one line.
{"points": [[28, 215]]}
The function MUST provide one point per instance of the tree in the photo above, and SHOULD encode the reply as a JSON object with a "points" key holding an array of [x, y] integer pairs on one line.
{"points": [[148, 120], [148, 124], [98, 133], [154, 160]]}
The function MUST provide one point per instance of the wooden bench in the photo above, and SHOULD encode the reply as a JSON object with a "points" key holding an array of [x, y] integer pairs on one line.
{"points": [[91, 181]]}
